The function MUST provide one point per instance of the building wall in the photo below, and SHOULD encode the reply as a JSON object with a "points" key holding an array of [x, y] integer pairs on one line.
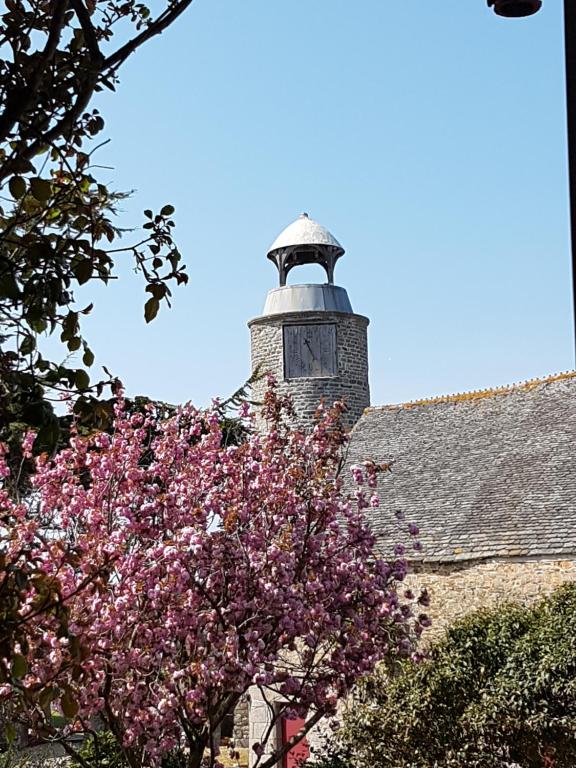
{"points": [[242, 722], [462, 587], [456, 589], [260, 717], [351, 382]]}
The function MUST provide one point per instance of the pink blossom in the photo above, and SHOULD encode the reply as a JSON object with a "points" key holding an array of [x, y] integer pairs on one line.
{"points": [[199, 568]]}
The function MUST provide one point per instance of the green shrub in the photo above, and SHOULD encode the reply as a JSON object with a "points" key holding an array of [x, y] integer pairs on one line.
{"points": [[500, 688], [332, 754], [9, 758], [175, 759], [102, 751]]}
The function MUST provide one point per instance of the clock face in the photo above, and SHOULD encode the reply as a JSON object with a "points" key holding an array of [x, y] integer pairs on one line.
{"points": [[310, 350]]}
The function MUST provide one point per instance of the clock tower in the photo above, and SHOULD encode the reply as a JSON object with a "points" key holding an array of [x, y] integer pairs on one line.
{"points": [[308, 337]]}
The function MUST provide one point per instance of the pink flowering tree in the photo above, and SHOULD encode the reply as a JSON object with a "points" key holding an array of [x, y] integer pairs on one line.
{"points": [[199, 570]]}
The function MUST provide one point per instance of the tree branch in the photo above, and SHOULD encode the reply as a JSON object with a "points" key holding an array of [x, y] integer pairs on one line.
{"points": [[156, 28], [278, 754], [20, 100], [87, 28], [86, 91]]}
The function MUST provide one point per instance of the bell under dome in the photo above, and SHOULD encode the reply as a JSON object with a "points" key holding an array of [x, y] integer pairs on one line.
{"points": [[305, 241]]}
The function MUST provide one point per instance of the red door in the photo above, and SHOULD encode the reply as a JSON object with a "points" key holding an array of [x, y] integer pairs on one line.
{"points": [[296, 756]]}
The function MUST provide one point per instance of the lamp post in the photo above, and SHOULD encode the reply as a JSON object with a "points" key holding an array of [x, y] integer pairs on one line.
{"points": [[517, 8]]}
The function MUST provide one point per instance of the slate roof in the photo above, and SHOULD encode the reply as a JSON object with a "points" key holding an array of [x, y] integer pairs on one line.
{"points": [[484, 474]]}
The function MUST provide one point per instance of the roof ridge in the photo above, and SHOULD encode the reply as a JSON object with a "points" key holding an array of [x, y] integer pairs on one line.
{"points": [[476, 394]]}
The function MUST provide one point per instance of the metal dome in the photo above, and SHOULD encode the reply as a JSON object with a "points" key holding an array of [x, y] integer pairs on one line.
{"points": [[304, 231], [305, 242]]}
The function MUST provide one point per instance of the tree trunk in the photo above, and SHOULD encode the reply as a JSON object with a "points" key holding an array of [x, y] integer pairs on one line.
{"points": [[197, 748]]}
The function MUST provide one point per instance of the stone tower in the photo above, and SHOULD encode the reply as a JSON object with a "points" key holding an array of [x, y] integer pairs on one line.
{"points": [[308, 337]]}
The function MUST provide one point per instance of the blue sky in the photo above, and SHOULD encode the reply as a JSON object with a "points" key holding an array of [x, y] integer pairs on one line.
{"points": [[429, 137]]}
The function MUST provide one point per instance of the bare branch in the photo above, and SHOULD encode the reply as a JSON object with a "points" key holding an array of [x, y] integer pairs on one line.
{"points": [[165, 19], [87, 28], [278, 754]]}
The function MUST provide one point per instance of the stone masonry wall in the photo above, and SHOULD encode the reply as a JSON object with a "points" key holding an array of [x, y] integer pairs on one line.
{"points": [[242, 722], [351, 382], [260, 721], [455, 590], [460, 588]]}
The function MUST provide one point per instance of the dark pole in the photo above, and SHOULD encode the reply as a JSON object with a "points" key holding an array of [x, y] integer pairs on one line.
{"points": [[570, 53], [517, 8]]}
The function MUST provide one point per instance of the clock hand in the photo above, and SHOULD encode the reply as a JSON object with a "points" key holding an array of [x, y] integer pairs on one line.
{"points": [[310, 348]]}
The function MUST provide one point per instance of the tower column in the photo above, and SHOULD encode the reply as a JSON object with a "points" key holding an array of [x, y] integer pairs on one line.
{"points": [[308, 337]]}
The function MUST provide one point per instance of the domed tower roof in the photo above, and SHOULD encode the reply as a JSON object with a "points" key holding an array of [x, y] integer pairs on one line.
{"points": [[305, 242], [304, 231]]}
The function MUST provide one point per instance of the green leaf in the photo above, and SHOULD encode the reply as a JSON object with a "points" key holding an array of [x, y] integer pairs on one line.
{"points": [[37, 413], [46, 696], [158, 290], [83, 271], [17, 187], [9, 287], [69, 326], [19, 666], [108, 83], [69, 704], [41, 189], [81, 223], [151, 309], [28, 345], [81, 379], [74, 344], [22, 166], [47, 437], [148, 213], [168, 210], [37, 324], [88, 357], [10, 733]]}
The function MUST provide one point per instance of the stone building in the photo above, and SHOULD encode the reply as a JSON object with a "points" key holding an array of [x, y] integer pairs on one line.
{"points": [[308, 337], [489, 477]]}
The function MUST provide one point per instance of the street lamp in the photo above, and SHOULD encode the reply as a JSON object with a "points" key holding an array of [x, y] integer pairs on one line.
{"points": [[514, 9]]}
